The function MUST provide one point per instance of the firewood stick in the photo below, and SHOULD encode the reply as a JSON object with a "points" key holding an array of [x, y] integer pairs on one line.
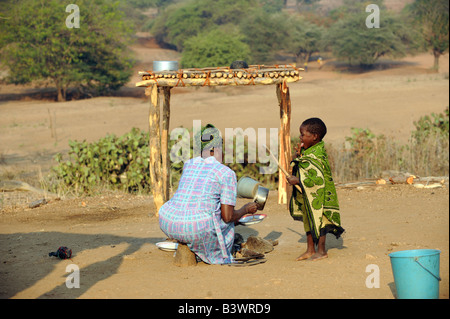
{"points": [[281, 168]]}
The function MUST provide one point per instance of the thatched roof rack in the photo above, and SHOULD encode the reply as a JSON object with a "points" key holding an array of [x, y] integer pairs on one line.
{"points": [[254, 75]]}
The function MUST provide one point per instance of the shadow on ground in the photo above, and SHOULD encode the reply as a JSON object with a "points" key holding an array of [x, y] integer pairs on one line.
{"points": [[41, 264]]}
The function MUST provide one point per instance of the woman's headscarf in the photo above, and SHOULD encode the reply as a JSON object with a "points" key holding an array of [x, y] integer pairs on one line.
{"points": [[210, 137]]}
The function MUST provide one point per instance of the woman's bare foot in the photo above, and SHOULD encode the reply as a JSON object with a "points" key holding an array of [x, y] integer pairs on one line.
{"points": [[305, 255], [318, 256]]}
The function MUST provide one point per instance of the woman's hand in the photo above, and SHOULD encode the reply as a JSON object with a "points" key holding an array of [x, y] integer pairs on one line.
{"points": [[293, 180], [251, 208], [229, 214]]}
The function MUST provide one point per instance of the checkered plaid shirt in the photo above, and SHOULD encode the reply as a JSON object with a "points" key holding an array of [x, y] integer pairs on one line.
{"points": [[193, 214]]}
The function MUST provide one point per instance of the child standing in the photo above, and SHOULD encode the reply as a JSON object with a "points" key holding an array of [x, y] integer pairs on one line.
{"points": [[317, 204]]}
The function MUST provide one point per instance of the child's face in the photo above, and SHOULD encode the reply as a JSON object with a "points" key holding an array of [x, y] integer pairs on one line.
{"points": [[307, 139]]}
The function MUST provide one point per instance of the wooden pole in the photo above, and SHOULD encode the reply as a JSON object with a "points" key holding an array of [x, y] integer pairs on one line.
{"points": [[284, 102], [165, 144], [155, 147]]}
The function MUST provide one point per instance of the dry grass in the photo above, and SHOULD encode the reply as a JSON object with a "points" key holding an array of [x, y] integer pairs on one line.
{"points": [[368, 156]]}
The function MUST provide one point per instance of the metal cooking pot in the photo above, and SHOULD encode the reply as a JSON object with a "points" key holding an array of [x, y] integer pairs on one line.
{"points": [[247, 187], [261, 197], [165, 66]]}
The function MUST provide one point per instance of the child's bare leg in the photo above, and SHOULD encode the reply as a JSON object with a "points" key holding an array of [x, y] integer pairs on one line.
{"points": [[310, 249], [321, 251]]}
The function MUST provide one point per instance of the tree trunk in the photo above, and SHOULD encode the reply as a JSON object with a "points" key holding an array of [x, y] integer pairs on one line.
{"points": [[308, 56], [436, 54], [297, 59], [66, 89], [59, 91]]}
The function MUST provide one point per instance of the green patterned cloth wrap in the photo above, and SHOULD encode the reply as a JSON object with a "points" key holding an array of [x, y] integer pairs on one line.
{"points": [[318, 203], [209, 137]]}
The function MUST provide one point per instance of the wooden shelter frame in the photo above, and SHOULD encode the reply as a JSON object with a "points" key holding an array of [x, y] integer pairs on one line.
{"points": [[158, 86]]}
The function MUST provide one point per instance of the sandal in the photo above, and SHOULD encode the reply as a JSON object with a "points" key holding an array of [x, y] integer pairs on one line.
{"points": [[247, 261]]}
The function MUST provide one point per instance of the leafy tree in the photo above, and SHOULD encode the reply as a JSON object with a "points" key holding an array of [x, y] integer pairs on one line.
{"points": [[214, 49], [259, 21], [143, 4], [352, 41], [273, 6], [304, 38], [432, 18], [176, 25], [36, 45], [301, 3], [187, 19], [265, 34], [349, 7]]}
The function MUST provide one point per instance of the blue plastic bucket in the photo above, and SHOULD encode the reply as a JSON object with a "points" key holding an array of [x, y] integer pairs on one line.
{"points": [[416, 273]]}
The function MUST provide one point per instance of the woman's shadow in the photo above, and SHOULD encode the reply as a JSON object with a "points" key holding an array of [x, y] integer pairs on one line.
{"points": [[17, 279]]}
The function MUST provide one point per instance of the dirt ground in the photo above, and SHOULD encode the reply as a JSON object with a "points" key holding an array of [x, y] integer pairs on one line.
{"points": [[113, 236], [113, 240]]}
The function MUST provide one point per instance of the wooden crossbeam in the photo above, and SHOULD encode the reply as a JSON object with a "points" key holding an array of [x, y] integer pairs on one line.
{"points": [[220, 77]]}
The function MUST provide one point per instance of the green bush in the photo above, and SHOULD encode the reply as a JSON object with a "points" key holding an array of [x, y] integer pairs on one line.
{"points": [[122, 163], [114, 162], [436, 124], [252, 170], [429, 145]]}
